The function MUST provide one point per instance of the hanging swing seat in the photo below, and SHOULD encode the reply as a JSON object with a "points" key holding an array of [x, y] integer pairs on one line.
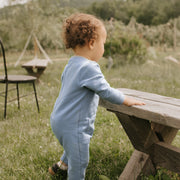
{"points": [[36, 67]]}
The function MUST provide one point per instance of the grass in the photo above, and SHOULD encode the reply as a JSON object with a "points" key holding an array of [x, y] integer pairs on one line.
{"points": [[28, 146]]}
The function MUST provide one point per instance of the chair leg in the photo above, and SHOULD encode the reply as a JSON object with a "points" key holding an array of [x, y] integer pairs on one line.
{"points": [[17, 87], [5, 102], [36, 96]]}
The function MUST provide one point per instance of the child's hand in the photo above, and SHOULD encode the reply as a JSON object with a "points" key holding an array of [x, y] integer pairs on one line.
{"points": [[130, 101]]}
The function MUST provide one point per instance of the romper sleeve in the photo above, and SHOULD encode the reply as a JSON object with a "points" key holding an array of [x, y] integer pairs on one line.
{"points": [[93, 79]]}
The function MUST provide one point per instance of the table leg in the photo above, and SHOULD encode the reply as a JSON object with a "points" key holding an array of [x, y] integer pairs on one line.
{"points": [[142, 137], [164, 133], [29, 70], [164, 154], [39, 72], [139, 164], [149, 139]]}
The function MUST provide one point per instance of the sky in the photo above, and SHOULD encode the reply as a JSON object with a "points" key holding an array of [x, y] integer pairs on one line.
{"points": [[5, 2]]}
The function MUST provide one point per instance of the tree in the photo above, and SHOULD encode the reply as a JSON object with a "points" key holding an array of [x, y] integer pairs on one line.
{"points": [[148, 12]]}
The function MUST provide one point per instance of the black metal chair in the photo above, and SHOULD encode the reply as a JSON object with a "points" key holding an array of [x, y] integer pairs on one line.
{"points": [[15, 79]]}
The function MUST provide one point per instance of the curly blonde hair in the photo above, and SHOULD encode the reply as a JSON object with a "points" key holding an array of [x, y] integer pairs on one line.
{"points": [[80, 28]]}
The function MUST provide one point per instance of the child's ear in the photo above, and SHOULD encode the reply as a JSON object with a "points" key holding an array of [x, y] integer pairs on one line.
{"points": [[91, 44]]}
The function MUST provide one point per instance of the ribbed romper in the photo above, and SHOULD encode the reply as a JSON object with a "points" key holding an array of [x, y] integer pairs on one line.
{"points": [[72, 119]]}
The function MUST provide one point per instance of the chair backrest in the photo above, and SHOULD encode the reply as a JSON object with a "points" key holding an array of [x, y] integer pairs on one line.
{"points": [[4, 59]]}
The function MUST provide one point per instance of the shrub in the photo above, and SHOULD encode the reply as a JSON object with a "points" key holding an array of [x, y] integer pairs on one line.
{"points": [[126, 49]]}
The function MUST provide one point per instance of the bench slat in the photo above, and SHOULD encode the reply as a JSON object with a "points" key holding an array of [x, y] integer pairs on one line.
{"points": [[151, 96], [158, 109], [36, 63]]}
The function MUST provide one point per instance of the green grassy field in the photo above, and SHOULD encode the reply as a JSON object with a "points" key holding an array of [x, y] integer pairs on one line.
{"points": [[28, 146]]}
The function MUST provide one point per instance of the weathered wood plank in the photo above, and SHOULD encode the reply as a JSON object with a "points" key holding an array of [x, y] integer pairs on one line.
{"points": [[151, 129], [36, 63], [138, 164], [139, 132], [151, 96], [167, 156], [155, 111], [35, 67], [164, 133]]}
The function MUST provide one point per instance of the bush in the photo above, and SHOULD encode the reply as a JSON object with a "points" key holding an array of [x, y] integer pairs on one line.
{"points": [[127, 49]]}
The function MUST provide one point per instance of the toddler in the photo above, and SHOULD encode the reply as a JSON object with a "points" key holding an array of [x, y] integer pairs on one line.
{"points": [[72, 119]]}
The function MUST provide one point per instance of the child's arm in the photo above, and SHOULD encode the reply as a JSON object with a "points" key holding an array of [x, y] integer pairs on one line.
{"points": [[93, 79], [130, 101]]}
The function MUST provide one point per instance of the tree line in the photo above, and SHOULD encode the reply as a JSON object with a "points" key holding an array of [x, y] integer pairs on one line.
{"points": [[147, 12], [45, 18]]}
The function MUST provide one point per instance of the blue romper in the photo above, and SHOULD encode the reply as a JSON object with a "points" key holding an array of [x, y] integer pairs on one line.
{"points": [[72, 119]]}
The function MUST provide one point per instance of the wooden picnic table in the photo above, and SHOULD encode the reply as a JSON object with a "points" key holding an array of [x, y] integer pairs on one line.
{"points": [[35, 67], [151, 130]]}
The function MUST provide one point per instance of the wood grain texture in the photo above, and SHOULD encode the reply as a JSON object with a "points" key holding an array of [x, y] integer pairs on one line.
{"points": [[151, 129], [167, 156], [159, 109], [139, 132], [135, 166], [164, 133]]}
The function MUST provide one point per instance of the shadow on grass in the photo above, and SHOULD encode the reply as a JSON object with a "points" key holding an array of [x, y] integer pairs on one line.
{"points": [[62, 176], [110, 165]]}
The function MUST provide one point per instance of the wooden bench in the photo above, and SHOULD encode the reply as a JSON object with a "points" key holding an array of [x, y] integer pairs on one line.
{"points": [[151, 130], [35, 67]]}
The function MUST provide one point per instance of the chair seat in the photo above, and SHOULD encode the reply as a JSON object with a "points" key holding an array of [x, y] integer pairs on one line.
{"points": [[18, 78]]}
